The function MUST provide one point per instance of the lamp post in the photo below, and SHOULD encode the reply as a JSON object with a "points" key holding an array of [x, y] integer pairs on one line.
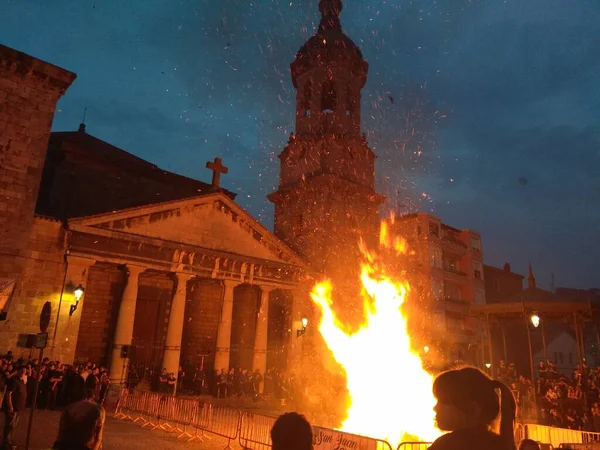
{"points": [[299, 333], [302, 330], [533, 319], [536, 321], [77, 293]]}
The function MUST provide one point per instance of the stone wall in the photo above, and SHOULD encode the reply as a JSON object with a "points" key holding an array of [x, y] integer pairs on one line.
{"points": [[29, 90], [43, 270], [99, 313]]}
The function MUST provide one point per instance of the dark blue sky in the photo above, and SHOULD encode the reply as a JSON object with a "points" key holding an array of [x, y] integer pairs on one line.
{"points": [[486, 113]]}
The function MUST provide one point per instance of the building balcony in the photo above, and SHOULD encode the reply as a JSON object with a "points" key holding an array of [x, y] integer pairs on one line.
{"points": [[454, 242], [455, 305], [459, 336], [454, 274]]}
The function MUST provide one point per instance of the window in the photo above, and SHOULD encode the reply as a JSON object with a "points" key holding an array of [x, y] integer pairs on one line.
{"points": [[570, 358], [438, 320], [451, 264], [434, 228], [479, 297], [560, 357], [436, 289], [304, 96], [455, 324], [328, 97], [477, 270], [436, 258], [496, 283], [297, 225], [475, 243], [452, 291], [419, 231]]}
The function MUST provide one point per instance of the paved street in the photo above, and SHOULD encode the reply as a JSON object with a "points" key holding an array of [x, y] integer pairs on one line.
{"points": [[117, 435]]}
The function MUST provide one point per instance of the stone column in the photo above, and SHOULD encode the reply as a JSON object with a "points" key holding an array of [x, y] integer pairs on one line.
{"points": [[125, 319], [259, 361], [224, 330], [66, 332], [175, 327]]}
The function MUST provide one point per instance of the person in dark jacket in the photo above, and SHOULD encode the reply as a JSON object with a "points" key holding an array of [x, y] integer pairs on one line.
{"points": [[14, 402], [467, 406], [92, 384], [81, 426], [291, 431]]}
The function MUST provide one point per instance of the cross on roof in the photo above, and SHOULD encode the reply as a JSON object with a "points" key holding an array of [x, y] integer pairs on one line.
{"points": [[217, 168]]}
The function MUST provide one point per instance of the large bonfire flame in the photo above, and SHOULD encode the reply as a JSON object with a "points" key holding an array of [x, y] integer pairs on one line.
{"points": [[390, 391]]}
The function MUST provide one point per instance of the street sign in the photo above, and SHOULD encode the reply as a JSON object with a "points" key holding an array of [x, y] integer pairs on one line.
{"points": [[45, 316], [42, 340]]}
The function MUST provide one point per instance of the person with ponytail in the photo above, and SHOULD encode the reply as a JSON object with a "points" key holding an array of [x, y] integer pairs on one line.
{"points": [[468, 405]]}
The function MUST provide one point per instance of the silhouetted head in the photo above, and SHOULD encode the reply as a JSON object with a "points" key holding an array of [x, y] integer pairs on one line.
{"points": [[467, 398], [81, 425], [291, 431], [528, 444]]}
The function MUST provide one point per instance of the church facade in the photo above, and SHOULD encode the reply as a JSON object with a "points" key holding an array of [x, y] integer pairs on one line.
{"points": [[173, 272], [147, 268]]}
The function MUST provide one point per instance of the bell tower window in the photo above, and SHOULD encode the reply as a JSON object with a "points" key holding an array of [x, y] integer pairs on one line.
{"points": [[305, 95], [328, 98], [349, 103]]}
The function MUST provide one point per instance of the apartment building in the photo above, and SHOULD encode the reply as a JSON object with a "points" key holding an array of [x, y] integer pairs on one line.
{"points": [[447, 276]]}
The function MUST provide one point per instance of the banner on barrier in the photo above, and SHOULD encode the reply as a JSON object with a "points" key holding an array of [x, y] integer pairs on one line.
{"points": [[327, 439]]}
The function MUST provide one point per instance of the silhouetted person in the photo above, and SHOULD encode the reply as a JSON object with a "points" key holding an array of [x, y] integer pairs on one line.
{"points": [[92, 384], [291, 431], [467, 405], [77, 387], [81, 426], [15, 401], [528, 444]]}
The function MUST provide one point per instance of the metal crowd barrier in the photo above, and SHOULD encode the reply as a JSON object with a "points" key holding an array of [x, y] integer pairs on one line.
{"points": [[255, 431], [414, 446], [329, 439], [255, 434], [557, 436], [189, 418]]}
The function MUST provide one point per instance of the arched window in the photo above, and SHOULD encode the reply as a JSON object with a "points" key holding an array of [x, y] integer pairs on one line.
{"points": [[305, 95], [350, 102], [328, 97]]}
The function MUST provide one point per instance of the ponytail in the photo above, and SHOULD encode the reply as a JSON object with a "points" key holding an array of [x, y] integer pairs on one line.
{"points": [[508, 408]]}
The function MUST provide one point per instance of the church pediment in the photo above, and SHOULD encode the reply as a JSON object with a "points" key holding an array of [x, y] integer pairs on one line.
{"points": [[211, 221]]}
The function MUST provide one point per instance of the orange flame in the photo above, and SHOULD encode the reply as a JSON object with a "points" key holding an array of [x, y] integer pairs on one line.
{"points": [[390, 390]]}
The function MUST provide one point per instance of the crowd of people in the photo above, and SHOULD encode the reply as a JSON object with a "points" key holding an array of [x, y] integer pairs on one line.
{"points": [[566, 402], [58, 385], [235, 383], [467, 405]]}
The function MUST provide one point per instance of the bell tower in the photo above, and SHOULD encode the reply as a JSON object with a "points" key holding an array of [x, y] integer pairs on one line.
{"points": [[326, 198]]}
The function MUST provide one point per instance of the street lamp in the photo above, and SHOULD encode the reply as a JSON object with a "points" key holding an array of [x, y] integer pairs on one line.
{"points": [[535, 320], [77, 293], [426, 349], [488, 365], [302, 330]]}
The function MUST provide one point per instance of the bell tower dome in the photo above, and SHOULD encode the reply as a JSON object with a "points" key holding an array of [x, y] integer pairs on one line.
{"points": [[329, 73], [326, 198]]}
